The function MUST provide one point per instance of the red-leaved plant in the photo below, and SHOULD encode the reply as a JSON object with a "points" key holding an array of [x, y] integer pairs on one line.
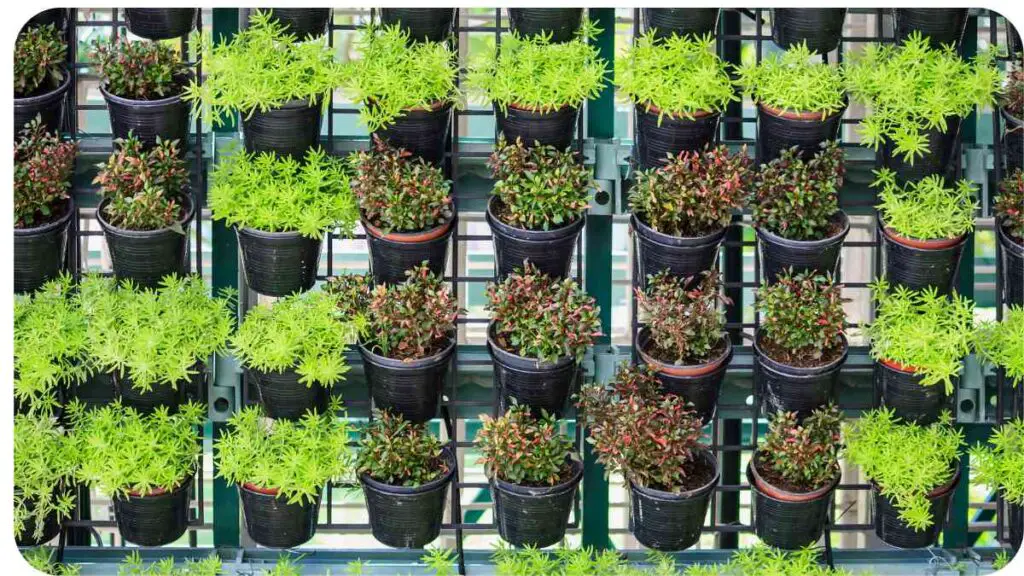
{"points": [[42, 175], [522, 449], [144, 186], [414, 319], [39, 59], [1013, 93], [801, 456], [354, 292], [397, 452], [802, 318], [1010, 203], [797, 199], [141, 70], [683, 316]]}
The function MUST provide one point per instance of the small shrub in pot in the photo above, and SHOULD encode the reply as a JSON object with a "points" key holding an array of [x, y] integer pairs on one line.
{"points": [[1011, 108], [44, 472], [1009, 212], [41, 79], [1001, 344], [533, 475], [1000, 464]]}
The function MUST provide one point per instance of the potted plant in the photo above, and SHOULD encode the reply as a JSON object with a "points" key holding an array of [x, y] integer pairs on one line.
{"points": [[940, 26], [793, 475], [146, 210], [294, 81], [43, 205], [555, 24], [281, 469], [41, 79], [1001, 344], [654, 441], [161, 23], [293, 351], [681, 210], [800, 102], [799, 344], [405, 472], [919, 340], [540, 328], [537, 86], [533, 475], [57, 17], [918, 97], [819, 28], [406, 208], [1000, 465], [913, 471], [421, 24], [679, 88], [145, 462], [302, 23], [406, 90], [538, 206], [682, 338], [1009, 209], [143, 83], [924, 227], [795, 210], [1011, 109], [665, 22], [280, 209], [44, 472]]}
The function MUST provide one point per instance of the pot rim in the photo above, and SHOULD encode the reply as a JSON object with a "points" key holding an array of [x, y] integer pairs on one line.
{"points": [[409, 237], [161, 491], [45, 97], [808, 116], [936, 492], [396, 364], [766, 489], [840, 215], [650, 109], [542, 491], [50, 226], [536, 110], [798, 372], [286, 106], [173, 99], [440, 482], [929, 244], [182, 222], [250, 487], [537, 235], [535, 364], [1009, 241], [696, 492], [264, 235], [640, 227], [896, 366], [701, 369]]}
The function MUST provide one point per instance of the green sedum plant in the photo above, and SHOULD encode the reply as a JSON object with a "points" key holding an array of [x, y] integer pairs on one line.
{"points": [[133, 565], [145, 187], [1000, 463], [44, 471], [522, 449], [397, 452], [1002, 343], [412, 320], [39, 59], [43, 167], [926, 209], [793, 81], [801, 454], [802, 318], [142, 70], [1009, 204], [43, 559], [798, 199], [906, 461], [683, 317]]}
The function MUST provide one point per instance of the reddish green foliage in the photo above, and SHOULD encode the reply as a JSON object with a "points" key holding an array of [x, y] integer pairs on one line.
{"points": [[1013, 92], [804, 454], [802, 315], [144, 186], [797, 199], [142, 70], [43, 166], [1010, 203], [39, 58], [683, 316], [522, 449], [413, 319], [354, 293], [399, 453]]}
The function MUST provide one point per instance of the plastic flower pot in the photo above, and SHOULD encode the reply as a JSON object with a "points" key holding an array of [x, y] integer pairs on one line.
{"points": [[161, 394], [671, 521], [919, 264], [392, 253], [1013, 43], [39, 251], [155, 519], [160, 23], [165, 118], [939, 160], [424, 132], [779, 130], [534, 515], [146, 256], [278, 263], [284, 397], [290, 129], [96, 390], [683, 257], [51, 526], [894, 532], [1013, 140], [938, 25], [540, 385], [786, 519], [560, 23], [1012, 262], [407, 517], [900, 388], [422, 24], [550, 250], [699, 384], [820, 28], [411, 388], [304, 23], [1016, 522], [680, 21], [272, 522], [535, 127], [779, 254], [56, 17], [657, 142], [788, 388], [48, 105]]}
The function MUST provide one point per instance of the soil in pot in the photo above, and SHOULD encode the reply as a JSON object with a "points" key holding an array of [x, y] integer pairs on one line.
{"points": [[938, 25], [541, 386], [680, 21], [672, 521], [392, 253], [919, 264], [1012, 262], [899, 388], [656, 143], [424, 132], [411, 388], [683, 257], [422, 24], [1013, 141], [940, 159], [560, 23], [161, 394], [699, 384], [290, 129], [550, 250], [798, 385], [163, 118], [155, 519], [160, 23], [39, 252], [820, 28], [272, 522], [304, 23], [786, 516], [47, 103], [894, 532], [779, 130], [284, 397], [278, 263], [535, 127], [146, 256], [535, 515], [780, 254]]}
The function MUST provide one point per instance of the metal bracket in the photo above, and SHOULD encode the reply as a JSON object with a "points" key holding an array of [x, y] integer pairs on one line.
{"points": [[605, 156], [970, 396], [224, 392]]}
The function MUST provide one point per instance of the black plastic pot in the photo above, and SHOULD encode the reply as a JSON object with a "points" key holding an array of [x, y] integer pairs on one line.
{"points": [[391, 254], [304, 23], [561, 23], [894, 532], [96, 390], [532, 515], [901, 390], [1016, 522], [49, 106], [938, 25], [272, 522], [404, 517], [166, 118], [288, 130], [160, 23], [147, 402], [698, 384], [680, 21], [51, 526], [39, 252], [683, 257], [655, 143], [422, 132], [788, 520], [669, 521], [820, 28], [278, 263], [550, 250], [918, 267], [1013, 43], [155, 519], [422, 24], [939, 160], [56, 17], [785, 388], [1012, 263], [552, 128], [146, 256], [778, 131], [1013, 141], [780, 254], [283, 397], [410, 388], [541, 386]]}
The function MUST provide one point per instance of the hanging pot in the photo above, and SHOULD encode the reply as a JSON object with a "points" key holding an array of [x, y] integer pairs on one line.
{"points": [[682, 257], [939, 160], [667, 22], [561, 23], [393, 253], [161, 394], [290, 129], [422, 24], [411, 388], [1016, 522], [1012, 263], [155, 519], [543, 386], [698, 384], [96, 390], [56, 17], [900, 388], [278, 263], [51, 525], [788, 520], [780, 254], [787, 388], [272, 522], [779, 130], [146, 256], [407, 517], [160, 23], [424, 132], [48, 105], [918, 264], [820, 28], [166, 119], [534, 127], [535, 515], [304, 23], [283, 397], [671, 521], [1013, 140], [39, 251], [938, 25], [656, 143], [894, 532], [550, 250]]}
